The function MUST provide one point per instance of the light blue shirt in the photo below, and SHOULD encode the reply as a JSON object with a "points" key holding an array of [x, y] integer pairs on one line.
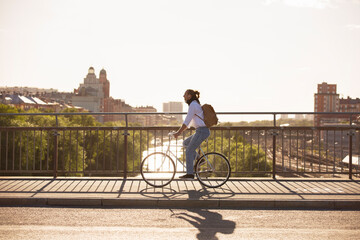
{"points": [[191, 119]]}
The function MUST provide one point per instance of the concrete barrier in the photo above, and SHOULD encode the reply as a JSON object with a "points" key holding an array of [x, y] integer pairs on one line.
{"points": [[184, 203], [76, 202]]}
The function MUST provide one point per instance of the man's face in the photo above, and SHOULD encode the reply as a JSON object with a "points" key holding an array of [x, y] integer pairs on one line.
{"points": [[187, 96]]}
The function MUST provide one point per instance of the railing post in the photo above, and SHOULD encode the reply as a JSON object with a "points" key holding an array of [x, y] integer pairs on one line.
{"points": [[274, 133], [351, 134], [126, 134], [56, 154]]}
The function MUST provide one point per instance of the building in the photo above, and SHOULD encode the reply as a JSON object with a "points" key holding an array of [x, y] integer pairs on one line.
{"points": [[299, 117], [145, 119], [26, 102], [284, 116], [22, 102], [31, 97], [26, 90], [94, 95], [349, 105], [174, 107], [327, 100], [118, 106], [309, 117], [90, 94]]}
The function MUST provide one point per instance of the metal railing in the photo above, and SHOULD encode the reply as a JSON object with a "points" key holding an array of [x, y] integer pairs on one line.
{"points": [[267, 151]]}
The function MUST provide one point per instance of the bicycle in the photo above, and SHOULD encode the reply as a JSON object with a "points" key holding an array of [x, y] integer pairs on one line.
{"points": [[211, 169]]}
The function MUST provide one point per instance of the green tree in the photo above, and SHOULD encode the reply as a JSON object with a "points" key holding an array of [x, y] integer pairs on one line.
{"points": [[77, 120], [106, 149], [33, 148], [9, 120], [242, 156], [26, 149]]}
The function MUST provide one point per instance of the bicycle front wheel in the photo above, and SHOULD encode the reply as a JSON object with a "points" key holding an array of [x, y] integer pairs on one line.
{"points": [[213, 169], [158, 169]]}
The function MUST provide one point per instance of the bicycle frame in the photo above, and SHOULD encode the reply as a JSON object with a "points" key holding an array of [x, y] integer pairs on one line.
{"points": [[170, 153]]}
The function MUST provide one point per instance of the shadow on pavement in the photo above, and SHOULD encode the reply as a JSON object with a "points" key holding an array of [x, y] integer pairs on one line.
{"points": [[298, 188], [208, 223]]}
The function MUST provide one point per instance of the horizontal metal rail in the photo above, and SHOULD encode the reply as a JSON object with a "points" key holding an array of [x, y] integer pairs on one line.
{"points": [[252, 151], [174, 113]]}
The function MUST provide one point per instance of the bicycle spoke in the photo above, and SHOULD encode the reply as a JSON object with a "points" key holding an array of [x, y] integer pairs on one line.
{"points": [[158, 169], [213, 170]]}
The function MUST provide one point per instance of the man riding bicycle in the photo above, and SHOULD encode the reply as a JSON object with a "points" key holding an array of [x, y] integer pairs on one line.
{"points": [[194, 118]]}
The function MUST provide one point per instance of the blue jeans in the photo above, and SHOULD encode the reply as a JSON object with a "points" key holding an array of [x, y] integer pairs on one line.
{"points": [[191, 144]]}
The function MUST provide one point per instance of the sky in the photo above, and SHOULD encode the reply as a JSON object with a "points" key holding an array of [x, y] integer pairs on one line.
{"points": [[243, 56]]}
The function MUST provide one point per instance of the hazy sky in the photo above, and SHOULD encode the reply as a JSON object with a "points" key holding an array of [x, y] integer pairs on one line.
{"points": [[242, 55]]}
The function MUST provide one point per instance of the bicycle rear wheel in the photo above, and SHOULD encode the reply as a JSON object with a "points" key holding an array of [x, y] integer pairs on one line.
{"points": [[158, 169], [213, 169]]}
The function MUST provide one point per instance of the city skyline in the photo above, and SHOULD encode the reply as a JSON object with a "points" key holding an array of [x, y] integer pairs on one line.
{"points": [[243, 56], [93, 95]]}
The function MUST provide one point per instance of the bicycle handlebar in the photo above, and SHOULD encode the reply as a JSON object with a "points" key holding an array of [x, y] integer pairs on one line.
{"points": [[171, 134]]}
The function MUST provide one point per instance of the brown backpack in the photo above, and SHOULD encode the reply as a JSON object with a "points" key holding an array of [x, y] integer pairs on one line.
{"points": [[210, 118]]}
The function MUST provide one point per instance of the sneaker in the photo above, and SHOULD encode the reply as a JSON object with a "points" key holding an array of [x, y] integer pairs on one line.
{"points": [[187, 176]]}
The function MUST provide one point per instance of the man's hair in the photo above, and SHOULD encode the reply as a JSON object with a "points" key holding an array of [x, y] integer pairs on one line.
{"points": [[195, 95]]}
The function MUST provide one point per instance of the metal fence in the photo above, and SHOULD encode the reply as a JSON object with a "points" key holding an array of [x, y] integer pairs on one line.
{"points": [[266, 151]]}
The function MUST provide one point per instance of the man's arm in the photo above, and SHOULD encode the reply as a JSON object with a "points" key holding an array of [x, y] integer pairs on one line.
{"points": [[181, 129]]}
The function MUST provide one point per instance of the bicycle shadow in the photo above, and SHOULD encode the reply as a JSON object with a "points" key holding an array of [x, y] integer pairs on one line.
{"points": [[208, 223]]}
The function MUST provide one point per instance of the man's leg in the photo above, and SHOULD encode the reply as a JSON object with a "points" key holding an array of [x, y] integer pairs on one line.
{"points": [[195, 142]]}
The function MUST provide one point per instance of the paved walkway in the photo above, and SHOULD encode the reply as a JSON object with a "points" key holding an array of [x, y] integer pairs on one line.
{"points": [[237, 193]]}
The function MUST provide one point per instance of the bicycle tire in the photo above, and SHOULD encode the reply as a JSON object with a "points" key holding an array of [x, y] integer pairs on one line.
{"points": [[213, 169], [158, 169]]}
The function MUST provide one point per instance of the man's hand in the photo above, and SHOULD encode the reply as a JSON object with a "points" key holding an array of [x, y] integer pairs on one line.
{"points": [[178, 132]]}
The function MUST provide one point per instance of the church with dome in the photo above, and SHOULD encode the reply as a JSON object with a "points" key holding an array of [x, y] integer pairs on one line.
{"points": [[94, 95]]}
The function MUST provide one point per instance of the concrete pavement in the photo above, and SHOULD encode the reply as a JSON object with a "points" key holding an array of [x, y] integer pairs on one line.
{"points": [[294, 193]]}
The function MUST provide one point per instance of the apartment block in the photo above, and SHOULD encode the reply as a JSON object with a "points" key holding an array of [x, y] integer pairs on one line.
{"points": [[327, 100], [174, 107]]}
